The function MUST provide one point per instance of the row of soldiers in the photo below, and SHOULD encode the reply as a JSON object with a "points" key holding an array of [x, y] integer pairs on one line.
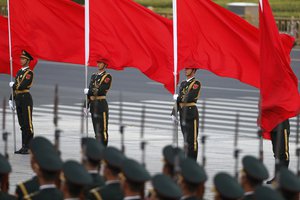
{"points": [[124, 178]]}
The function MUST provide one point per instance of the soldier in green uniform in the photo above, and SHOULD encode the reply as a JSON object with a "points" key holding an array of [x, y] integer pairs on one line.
{"points": [[192, 180], [48, 167], [133, 179], [23, 99], [5, 169], [92, 151], [73, 180], [289, 184], [112, 162], [171, 158], [226, 187], [266, 193], [253, 174], [99, 85], [165, 188], [189, 92]]}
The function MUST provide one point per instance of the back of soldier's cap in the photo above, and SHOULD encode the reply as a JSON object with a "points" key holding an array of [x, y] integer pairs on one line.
{"points": [[192, 172], [227, 186], [165, 187], [134, 171], [92, 148], [170, 153], [254, 168], [266, 193], [75, 173], [288, 180], [5, 166], [113, 157]]}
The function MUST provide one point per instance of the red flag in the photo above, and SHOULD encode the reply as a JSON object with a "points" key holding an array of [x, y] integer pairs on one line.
{"points": [[280, 98], [51, 30], [4, 51], [130, 35]]}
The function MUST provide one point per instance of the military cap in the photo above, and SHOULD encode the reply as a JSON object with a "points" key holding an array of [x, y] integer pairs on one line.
{"points": [[113, 157], [166, 187], [103, 60], [288, 180], [93, 149], [192, 172], [254, 168], [76, 174], [5, 167], [134, 171], [26, 55], [227, 186], [45, 154], [170, 153], [264, 193]]}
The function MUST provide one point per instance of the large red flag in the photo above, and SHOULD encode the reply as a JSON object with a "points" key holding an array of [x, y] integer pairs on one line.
{"points": [[130, 35], [280, 98], [49, 29], [4, 51]]}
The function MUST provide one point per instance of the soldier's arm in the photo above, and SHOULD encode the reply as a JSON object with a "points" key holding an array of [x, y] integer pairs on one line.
{"points": [[90, 93], [105, 85], [194, 93], [26, 81]]}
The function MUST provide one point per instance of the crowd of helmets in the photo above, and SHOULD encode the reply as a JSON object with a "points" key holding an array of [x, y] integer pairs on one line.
{"points": [[106, 173]]}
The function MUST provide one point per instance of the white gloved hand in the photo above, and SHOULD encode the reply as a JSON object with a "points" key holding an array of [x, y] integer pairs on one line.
{"points": [[175, 97], [86, 91], [174, 119], [11, 84], [11, 105], [86, 111]]}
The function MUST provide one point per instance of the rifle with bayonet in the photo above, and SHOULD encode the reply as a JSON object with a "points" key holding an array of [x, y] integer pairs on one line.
{"points": [[55, 119], [143, 142], [236, 150], [5, 178]]}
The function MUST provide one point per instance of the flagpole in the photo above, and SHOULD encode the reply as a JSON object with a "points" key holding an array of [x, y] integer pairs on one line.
{"points": [[175, 55], [87, 52], [11, 73]]}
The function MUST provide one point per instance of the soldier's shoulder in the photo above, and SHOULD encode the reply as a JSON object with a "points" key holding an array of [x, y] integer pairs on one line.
{"points": [[5, 196]]}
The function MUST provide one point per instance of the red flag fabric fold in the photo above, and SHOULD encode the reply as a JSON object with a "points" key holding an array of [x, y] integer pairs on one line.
{"points": [[130, 35], [280, 97]]}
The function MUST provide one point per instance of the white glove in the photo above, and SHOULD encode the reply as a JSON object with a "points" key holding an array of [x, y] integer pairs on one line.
{"points": [[174, 119], [175, 97], [86, 111], [11, 84], [11, 105], [86, 91]]}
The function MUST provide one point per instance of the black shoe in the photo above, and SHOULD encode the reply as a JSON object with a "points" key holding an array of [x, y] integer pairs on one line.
{"points": [[19, 151], [25, 151], [271, 181]]}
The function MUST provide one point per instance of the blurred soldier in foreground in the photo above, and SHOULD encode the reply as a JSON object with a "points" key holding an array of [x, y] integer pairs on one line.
{"points": [[171, 158], [253, 174], [189, 92], [23, 99], [266, 193], [112, 162], [5, 169], [99, 85], [289, 184]]}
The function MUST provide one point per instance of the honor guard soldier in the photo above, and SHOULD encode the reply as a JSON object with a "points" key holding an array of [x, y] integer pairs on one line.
{"points": [[112, 162], [99, 85], [289, 184], [171, 158], [5, 169], [23, 99], [266, 193], [165, 188], [253, 174], [192, 180], [189, 92], [133, 179], [74, 179], [92, 151], [48, 165], [227, 188]]}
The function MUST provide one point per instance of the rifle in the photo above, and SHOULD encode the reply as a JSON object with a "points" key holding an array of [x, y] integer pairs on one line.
{"points": [[5, 177], [261, 145], [121, 125], [55, 119], [297, 146], [143, 142], [236, 150], [203, 137]]}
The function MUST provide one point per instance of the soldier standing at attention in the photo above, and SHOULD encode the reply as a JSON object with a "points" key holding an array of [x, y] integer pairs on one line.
{"points": [[189, 92], [99, 86], [23, 99]]}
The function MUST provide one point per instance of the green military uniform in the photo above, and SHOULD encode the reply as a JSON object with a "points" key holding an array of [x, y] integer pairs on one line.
{"points": [[266, 193], [99, 85], [227, 187], [50, 164], [24, 103], [189, 92], [5, 169], [289, 184], [27, 187], [254, 172], [92, 153], [194, 177], [113, 159], [165, 188], [171, 157]]}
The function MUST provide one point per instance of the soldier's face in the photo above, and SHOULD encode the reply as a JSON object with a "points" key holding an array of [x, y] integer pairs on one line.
{"points": [[23, 61], [189, 71], [101, 65]]}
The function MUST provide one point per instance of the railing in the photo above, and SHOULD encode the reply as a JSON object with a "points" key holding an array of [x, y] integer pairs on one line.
{"points": [[286, 25]]}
